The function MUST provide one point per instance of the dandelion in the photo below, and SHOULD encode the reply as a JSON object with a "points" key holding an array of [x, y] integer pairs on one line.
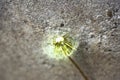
{"points": [[64, 45], [61, 47]]}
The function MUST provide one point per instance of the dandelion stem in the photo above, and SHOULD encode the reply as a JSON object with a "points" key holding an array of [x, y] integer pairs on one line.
{"points": [[80, 70]]}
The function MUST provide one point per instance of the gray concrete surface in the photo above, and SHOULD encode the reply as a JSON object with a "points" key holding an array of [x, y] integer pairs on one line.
{"points": [[25, 25]]}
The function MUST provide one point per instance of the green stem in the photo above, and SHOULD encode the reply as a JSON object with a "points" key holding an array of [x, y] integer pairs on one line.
{"points": [[80, 70], [76, 65]]}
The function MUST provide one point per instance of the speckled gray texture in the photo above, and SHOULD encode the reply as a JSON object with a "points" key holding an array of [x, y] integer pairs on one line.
{"points": [[24, 25]]}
